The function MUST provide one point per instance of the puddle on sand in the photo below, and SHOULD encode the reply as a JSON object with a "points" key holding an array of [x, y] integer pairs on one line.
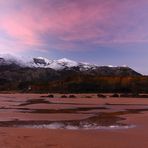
{"points": [[68, 110], [83, 126], [96, 122], [35, 101]]}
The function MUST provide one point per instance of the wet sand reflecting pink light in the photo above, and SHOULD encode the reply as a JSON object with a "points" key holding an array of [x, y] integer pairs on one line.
{"points": [[28, 120]]}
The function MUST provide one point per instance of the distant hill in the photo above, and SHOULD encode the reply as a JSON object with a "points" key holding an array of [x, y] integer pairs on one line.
{"points": [[64, 75]]}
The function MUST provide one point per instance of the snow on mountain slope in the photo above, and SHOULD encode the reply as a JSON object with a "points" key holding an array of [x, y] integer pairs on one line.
{"points": [[41, 62], [54, 64], [67, 62], [7, 59]]}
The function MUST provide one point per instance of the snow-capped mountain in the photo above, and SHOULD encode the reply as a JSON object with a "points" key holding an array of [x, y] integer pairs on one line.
{"points": [[58, 64], [42, 74], [9, 61], [41, 62]]}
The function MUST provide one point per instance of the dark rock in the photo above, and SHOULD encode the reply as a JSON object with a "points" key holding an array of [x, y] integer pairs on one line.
{"points": [[63, 96], [72, 96], [50, 96], [101, 96], [115, 95]]}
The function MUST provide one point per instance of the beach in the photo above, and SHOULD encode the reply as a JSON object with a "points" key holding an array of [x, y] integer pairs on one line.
{"points": [[122, 122]]}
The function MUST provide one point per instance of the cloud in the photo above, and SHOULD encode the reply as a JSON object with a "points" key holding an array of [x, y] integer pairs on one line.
{"points": [[67, 23]]}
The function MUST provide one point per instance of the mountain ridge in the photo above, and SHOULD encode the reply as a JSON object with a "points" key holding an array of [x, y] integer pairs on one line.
{"points": [[41, 62], [64, 75]]}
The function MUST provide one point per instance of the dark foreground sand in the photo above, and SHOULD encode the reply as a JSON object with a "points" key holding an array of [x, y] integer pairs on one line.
{"points": [[42, 138], [11, 137]]}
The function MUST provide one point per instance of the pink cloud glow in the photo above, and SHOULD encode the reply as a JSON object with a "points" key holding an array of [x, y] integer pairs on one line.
{"points": [[93, 21]]}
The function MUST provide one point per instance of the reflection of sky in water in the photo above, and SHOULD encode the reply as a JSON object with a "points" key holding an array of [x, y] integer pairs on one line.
{"points": [[32, 111], [85, 126]]}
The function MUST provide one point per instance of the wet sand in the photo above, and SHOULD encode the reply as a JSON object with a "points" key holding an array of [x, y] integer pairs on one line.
{"points": [[19, 112]]}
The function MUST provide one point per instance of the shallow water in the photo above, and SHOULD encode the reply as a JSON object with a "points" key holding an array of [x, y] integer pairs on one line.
{"points": [[34, 111], [86, 126]]}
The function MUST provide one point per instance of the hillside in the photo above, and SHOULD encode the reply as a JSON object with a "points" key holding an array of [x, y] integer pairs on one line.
{"points": [[43, 75]]}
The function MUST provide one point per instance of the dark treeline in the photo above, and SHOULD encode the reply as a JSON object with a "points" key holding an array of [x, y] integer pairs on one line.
{"points": [[89, 84], [122, 80]]}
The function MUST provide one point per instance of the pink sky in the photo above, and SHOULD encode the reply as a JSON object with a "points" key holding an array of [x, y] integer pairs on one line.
{"points": [[71, 25]]}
